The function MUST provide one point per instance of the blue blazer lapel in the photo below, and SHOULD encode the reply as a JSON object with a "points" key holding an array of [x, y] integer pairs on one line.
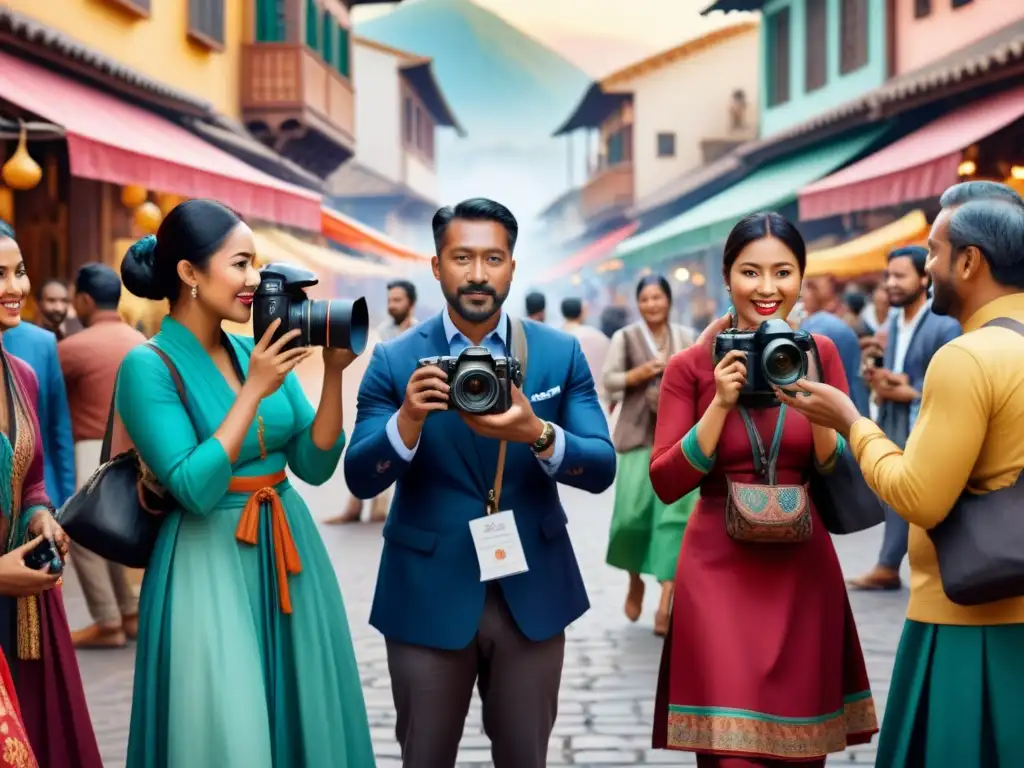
{"points": [[462, 439]]}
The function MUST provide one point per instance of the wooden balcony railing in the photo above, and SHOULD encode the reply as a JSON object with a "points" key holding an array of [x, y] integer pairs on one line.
{"points": [[608, 189], [282, 81]]}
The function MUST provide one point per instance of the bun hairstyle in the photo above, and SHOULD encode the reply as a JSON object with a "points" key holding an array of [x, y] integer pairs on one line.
{"points": [[758, 226], [193, 231]]}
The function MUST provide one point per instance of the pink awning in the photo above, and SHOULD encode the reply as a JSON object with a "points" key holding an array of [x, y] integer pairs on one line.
{"points": [[118, 142], [917, 167], [590, 254]]}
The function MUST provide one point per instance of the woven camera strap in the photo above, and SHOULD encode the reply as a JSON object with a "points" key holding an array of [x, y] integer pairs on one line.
{"points": [[764, 464], [179, 385], [517, 337]]}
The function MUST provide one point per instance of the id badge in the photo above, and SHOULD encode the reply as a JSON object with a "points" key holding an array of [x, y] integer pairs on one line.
{"points": [[498, 547]]}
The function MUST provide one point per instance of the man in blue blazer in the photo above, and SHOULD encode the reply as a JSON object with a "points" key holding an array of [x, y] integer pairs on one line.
{"points": [[38, 347], [450, 618]]}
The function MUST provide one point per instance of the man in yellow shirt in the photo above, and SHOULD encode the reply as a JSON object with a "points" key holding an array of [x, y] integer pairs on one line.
{"points": [[957, 693]]}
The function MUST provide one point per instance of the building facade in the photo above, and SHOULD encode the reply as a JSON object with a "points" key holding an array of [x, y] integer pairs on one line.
{"points": [[391, 184], [664, 117], [927, 30], [817, 54]]}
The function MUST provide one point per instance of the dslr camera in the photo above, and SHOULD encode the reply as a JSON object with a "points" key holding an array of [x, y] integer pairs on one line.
{"points": [[331, 323], [777, 356], [479, 382]]}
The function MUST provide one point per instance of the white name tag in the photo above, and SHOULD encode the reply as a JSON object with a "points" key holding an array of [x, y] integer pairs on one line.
{"points": [[498, 548]]}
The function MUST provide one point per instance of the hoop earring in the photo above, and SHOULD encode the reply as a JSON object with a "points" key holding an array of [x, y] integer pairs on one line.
{"points": [[195, 291]]}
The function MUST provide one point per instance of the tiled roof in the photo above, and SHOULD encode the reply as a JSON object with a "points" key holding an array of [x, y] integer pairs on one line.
{"points": [[30, 31]]}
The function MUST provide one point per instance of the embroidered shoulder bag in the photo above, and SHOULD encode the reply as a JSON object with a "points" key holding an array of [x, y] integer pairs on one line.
{"points": [[767, 513]]}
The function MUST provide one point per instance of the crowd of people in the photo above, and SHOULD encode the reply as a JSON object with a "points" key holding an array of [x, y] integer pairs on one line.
{"points": [[244, 654]]}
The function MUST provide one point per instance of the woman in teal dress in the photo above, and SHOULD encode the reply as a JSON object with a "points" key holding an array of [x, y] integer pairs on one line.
{"points": [[645, 534], [244, 654]]}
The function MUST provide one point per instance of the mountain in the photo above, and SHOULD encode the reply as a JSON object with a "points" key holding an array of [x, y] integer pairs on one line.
{"points": [[503, 85]]}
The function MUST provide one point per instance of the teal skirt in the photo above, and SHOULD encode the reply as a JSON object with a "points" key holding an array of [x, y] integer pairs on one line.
{"points": [[956, 698], [645, 533]]}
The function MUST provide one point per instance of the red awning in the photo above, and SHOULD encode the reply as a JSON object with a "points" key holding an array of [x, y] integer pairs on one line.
{"points": [[345, 230], [118, 142], [589, 255], [917, 167]]}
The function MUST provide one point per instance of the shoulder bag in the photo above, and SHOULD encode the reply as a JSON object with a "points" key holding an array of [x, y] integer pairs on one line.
{"points": [[843, 498], [118, 513], [980, 544], [767, 513]]}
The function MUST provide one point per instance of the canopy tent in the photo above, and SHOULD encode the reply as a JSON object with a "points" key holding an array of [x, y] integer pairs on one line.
{"points": [[867, 253], [767, 188]]}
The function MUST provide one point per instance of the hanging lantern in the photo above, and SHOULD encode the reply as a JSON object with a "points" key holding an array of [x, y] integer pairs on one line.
{"points": [[167, 202], [21, 171], [147, 218], [132, 196]]}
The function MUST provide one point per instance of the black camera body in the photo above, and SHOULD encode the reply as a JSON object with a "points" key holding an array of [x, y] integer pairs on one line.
{"points": [[777, 356], [478, 381], [44, 554], [332, 323]]}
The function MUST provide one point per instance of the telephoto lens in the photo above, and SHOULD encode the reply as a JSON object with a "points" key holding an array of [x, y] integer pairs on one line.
{"points": [[337, 323]]}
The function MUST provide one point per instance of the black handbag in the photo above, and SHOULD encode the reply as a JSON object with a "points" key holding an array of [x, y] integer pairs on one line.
{"points": [[118, 513], [843, 498], [980, 544]]}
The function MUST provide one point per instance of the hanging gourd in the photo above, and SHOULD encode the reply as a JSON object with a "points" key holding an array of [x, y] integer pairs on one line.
{"points": [[167, 202], [21, 171], [148, 217], [132, 196]]}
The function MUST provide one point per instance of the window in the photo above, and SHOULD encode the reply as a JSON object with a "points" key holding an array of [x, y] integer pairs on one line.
{"points": [[816, 45], [853, 35], [418, 127], [620, 146], [408, 116], [270, 21], [328, 36], [312, 25], [922, 8], [206, 22], [344, 57], [778, 58], [666, 145]]}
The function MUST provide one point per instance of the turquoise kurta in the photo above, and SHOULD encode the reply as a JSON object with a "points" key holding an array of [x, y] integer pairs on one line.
{"points": [[222, 676]]}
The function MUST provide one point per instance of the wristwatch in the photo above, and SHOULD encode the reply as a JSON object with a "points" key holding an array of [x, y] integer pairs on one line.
{"points": [[547, 437]]}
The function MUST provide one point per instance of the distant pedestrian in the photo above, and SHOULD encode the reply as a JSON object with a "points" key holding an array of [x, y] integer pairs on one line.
{"points": [[535, 304], [593, 343]]}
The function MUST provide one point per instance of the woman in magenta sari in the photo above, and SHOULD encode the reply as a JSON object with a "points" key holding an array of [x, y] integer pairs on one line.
{"points": [[34, 633]]}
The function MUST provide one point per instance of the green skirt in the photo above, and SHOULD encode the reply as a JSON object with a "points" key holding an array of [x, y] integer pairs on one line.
{"points": [[645, 533], [956, 698]]}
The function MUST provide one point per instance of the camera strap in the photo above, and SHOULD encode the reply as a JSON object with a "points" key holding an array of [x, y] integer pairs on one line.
{"points": [[517, 338], [764, 465]]}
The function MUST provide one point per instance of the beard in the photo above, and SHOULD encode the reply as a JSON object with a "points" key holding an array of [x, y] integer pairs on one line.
{"points": [[398, 315], [473, 313], [944, 299], [904, 300]]}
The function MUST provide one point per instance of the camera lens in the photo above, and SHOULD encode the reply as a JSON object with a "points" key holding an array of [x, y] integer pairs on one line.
{"points": [[474, 388], [334, 323], [783, 362]]}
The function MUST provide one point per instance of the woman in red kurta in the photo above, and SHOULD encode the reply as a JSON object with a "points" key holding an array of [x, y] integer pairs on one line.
{"points": [[762, 664]]}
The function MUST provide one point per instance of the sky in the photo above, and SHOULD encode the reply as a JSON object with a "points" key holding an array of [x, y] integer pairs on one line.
{"points": [[601, 36]]}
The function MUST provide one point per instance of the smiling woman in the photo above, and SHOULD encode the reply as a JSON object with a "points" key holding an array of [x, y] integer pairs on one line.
{"points": [[801, 691]]}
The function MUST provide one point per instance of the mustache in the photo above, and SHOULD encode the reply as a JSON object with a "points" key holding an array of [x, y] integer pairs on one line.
{"points": [[471, 288]]}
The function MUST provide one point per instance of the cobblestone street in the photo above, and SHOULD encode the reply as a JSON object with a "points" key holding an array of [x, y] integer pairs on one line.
{"points": [[610, 665], [608, 682]]}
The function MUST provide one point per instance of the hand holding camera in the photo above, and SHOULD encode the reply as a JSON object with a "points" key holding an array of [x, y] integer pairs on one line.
{"points": [[517, 424], [426, 391], [774, 357], [271, 361], [730, 378], [19, 580]]}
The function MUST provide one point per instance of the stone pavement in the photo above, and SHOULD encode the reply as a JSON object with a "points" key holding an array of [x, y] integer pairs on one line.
{"points": [[610, 665]]}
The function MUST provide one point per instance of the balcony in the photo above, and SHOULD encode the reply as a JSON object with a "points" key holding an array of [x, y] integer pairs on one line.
{"points": [[608, 191], [297, 104]]}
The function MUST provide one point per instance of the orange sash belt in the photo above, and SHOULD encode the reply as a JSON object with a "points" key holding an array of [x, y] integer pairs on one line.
{"points": [[286, 556]]}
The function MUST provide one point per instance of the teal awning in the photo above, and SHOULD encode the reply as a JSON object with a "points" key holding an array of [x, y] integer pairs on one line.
{"points": [[767, 188]]}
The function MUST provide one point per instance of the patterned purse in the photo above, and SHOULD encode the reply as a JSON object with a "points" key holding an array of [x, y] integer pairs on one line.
{"points": [[767, 513]]}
